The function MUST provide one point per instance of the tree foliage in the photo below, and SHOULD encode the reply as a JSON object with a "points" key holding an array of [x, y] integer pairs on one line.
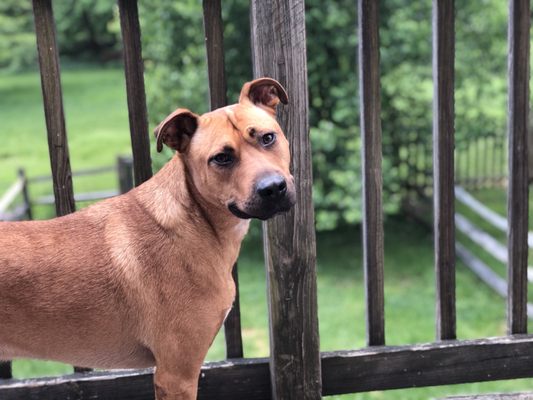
{"points": [[175, 71]]}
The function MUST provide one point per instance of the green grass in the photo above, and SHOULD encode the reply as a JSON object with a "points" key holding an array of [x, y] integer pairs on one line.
{"points": [[96, 121], [97, 125]]}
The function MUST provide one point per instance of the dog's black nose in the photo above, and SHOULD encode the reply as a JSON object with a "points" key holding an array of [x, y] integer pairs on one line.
{"points": [[272, 187]]}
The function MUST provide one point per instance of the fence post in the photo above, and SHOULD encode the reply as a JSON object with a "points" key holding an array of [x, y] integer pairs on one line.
{"points": [[125, 173], [214, 44], [53, 106], [370, 109], [5, 370], [443, 170], [279, 51], [133, 70], [518, 199], [25, 194]]}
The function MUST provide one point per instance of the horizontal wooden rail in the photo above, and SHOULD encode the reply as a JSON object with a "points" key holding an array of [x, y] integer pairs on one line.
{"points": [[82, 172], [486, 213], [89, 196], [11, 194], [376, 368], [486, 274]]}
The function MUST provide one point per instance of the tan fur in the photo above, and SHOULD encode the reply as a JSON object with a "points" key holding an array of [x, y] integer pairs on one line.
{"points": [[144, 278]]}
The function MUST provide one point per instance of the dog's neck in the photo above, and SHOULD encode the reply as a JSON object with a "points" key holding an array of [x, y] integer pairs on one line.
{"points": [[172, 200]]}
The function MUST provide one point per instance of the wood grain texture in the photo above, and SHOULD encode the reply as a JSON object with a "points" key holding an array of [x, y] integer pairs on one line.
{"points": [[242, 380], [517, 200], [232, 324], [443, 166], [214, 44], [370, 109], [133, 69], [279, 51], [442, 363], [53, 106], [376, 368]]}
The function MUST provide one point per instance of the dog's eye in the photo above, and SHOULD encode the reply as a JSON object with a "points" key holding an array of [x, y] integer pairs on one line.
{"points": [[222, 159], [268, 138]]}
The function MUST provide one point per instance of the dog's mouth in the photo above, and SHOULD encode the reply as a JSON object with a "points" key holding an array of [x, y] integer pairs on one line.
{"points": [[262, 214]]}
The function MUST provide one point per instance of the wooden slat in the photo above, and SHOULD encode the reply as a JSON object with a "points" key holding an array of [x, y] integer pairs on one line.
{"points": [[278, 48], [214, 44], [494, 396], [443, 164], [133, 68], [25, 194], [5, 370], [442, 363], [83, 172], [517, 203], [232, 324], [370, 104], [11, 194], [376, 368], [486, 274], [53, 106], [89, 196]]}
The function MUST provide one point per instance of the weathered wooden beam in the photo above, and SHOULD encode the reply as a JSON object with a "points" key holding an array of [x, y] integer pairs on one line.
{"points": [[279, 51], [376, 368], [370, 109], [133, 69], [214, 44], [486, 274], [53, 106], [517, 203], [11, 194], [443, 165], [5, 370], [443, 363]]}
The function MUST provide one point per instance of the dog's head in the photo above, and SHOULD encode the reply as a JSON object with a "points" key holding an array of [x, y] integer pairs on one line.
{"points": [[237, 156]]}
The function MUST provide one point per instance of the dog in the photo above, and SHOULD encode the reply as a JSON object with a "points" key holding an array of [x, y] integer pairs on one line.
{"points": [[144, 279]]}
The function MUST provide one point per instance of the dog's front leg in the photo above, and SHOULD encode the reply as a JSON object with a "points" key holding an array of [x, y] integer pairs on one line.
{"points": [[172, 383], [179, 360]]}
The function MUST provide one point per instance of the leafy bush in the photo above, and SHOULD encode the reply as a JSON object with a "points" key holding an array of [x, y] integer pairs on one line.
{"points": [[176, 75]]}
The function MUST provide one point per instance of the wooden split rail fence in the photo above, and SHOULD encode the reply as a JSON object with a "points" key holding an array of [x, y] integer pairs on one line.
{"points": [[296, 369]]}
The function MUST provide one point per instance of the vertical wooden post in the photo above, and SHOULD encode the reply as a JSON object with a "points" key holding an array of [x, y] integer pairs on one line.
{"points": [[25, 194], [279, 51], [369, 87], [214, 43], [5, 370], [517, 203], [443, 165], [133, 69], [125, 174], [53, 106]]}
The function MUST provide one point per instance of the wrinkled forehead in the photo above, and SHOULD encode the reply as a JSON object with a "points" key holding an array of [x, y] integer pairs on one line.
{"points": [[240, 118]]}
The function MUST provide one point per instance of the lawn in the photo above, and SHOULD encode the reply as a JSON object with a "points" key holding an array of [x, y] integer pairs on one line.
{"points": [[98, 131]]}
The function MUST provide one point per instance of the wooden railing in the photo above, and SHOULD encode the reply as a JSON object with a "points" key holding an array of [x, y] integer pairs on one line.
{"points": [[296, 369]]}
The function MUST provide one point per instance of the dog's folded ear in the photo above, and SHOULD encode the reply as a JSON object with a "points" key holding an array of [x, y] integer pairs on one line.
{"points": [[266, 93], [176, 130]]}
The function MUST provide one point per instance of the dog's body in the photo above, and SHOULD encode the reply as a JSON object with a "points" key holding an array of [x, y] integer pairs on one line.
{"points": [[144, 279]]}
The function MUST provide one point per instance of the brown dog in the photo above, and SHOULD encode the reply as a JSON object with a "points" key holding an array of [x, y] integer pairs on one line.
{"points": [[144, 279]]}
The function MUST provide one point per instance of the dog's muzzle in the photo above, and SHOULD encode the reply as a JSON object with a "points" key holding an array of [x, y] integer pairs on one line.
{"points": [[271, 196]]}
